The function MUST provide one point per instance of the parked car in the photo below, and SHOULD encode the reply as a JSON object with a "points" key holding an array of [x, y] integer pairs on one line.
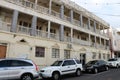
{"points": [[96, 66], [22, 69], [62, 67], [114, 62]]}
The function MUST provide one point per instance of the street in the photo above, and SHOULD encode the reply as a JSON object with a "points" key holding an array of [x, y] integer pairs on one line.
{"points": [[112, 74]]}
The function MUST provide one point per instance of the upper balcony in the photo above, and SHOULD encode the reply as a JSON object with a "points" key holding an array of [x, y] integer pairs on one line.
{"points": [[43, 7]]}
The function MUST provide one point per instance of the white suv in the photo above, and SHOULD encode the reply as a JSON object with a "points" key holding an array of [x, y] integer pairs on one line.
{"points": [[22, 69], [62, 67], [114, 62]]}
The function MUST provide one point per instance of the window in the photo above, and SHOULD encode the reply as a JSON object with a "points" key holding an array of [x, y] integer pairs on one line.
{"points": [[94, 56], [103, 56], [77, 61], [71, 62], [55, 53], [108, 56], [4, 63], [40, 52], [66, 63], [99, 55], [15, 63], [66, 54]]}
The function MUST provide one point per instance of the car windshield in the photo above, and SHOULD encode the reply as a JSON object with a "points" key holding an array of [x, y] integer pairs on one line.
{"points": [[112, 60], [91, 62], [57, 63]]}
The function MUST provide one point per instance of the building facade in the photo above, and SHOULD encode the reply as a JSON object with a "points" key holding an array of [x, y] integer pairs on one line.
{"points": [[115, 42], [48, 30]]}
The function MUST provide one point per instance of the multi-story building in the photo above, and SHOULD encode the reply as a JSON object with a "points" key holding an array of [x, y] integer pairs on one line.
{"points": [[47, 30], [115, 42]]}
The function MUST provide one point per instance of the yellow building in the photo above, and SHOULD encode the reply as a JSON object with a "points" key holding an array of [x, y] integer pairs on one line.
{"points": [[48, 30]]}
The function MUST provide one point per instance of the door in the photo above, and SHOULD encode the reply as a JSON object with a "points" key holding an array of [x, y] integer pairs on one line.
{"points": [[83, 58], [2, 51]]}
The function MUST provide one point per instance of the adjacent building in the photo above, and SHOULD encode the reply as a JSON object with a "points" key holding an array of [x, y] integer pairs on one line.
{"points": [[48, 30], [115, 42]]}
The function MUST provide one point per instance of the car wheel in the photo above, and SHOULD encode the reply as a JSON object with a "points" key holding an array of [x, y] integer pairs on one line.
{"points": [[117, 66], [56, 76], [78, 72], [106, 68], [26, 77], [95, 70]]}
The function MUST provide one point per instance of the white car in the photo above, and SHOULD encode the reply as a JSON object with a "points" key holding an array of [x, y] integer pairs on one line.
{"points": [[22, 69], [62, 67], [114, 62]]}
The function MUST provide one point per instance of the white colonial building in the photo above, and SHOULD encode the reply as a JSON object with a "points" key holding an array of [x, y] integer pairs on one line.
{"points": [[115, 42], [48, 30]]}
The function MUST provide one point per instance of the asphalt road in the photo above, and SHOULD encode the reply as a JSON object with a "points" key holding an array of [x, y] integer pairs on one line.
{"points": [[112, 74]]}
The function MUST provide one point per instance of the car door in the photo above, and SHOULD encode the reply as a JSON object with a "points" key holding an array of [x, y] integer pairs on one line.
{"points": [[65, 67], [4, 69], [72, 66], [101, 65], [68, 67]]}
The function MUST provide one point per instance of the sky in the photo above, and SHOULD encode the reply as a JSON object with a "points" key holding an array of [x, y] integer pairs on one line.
{"points": [[108, 10]]}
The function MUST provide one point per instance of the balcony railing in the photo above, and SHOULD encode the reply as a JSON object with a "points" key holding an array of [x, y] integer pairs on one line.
{"points": [[41, 33], [24, 3], [54, 36], [76, 22], [81, 42], [56, 14], [42, 9], [67, 39], [5, 26], [23, 30]]}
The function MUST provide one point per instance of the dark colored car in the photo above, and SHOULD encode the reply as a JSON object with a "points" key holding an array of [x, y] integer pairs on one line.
{"points": [[96, 66]]}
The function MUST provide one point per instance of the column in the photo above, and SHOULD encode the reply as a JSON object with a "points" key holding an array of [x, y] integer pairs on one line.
{"points": [[36, 1], [49, 25], [33, 26], [61, 32], [50, 6], [95, 42], [103, 30], [89, 40], [105, 43], [71, 34], [81, 20], [62, 26], [14, 21], [62, 12], [100, 42], [95, 26], [99, 28], [89, 23], [108, 33], [71, 16]]}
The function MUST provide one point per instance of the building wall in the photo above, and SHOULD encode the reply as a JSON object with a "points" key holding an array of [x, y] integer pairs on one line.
{"points": [[20, 44]]}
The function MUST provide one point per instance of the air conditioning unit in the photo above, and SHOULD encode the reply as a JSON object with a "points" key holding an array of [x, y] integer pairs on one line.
{"points": [[69, 46]]}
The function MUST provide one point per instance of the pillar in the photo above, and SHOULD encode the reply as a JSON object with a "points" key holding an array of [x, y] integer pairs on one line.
{"points": [[33, 26], [14, 21]]}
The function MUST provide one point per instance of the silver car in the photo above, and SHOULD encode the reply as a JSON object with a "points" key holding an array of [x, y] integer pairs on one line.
{"points": [[22, 69]]}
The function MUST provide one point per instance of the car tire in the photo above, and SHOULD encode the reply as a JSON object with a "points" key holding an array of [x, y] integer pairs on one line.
{"points": [[56, 76], [78, 72], [95, 71], [27, 77], [117, 66], [106, 68]]}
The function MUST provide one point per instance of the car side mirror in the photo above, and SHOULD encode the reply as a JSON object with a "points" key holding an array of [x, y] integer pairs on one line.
{"points": [[64, 65]]}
